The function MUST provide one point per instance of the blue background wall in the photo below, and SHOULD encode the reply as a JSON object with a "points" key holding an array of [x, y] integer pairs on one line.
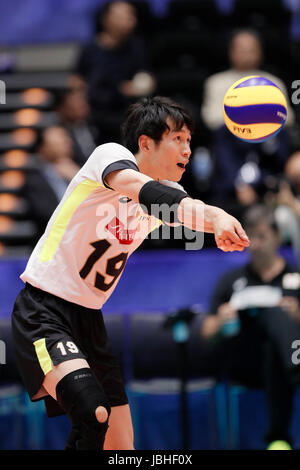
{"points": [[49, 21], [151, 281]]}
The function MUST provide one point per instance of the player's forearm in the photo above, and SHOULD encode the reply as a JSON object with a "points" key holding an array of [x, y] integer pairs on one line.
{"points": [[198, 216], [192, 213]]}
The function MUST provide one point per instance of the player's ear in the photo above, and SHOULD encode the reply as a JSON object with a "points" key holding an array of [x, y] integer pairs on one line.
{"points": [[145, 143]]}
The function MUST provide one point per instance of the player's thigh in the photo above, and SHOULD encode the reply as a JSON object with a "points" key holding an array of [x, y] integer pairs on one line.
{"points": [[59, 371], [120, 431]]}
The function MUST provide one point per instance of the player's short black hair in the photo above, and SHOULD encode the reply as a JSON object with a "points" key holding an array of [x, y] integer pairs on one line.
{"points": [[148, 116], [259, 214]]}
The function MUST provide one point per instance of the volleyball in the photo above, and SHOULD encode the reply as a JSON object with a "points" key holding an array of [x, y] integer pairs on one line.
{"points": [[254, 109]]}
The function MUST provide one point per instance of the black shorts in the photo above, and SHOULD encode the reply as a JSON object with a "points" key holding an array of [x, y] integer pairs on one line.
{"points": [[48, 330]]}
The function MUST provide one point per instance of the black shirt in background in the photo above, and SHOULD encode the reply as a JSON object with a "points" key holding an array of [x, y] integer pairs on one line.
{"points": [[245, 276], [104, 69]]}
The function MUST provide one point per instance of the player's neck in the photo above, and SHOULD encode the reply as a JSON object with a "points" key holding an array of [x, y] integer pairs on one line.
{"points": [[145, 166]]}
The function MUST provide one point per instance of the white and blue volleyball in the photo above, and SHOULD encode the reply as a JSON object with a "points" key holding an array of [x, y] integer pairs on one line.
{"points": [[254, 109]]}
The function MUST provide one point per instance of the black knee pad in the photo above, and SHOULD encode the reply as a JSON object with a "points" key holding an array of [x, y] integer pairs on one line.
{"points": [[79, 394]]}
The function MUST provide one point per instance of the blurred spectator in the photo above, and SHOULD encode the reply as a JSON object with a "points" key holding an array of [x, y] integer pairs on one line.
{"points": [[294, 7], [114, 66], [7, 62], [73, 113], [245, 54], [233, 183], [255, 317], [286, 198], [47, 182]]}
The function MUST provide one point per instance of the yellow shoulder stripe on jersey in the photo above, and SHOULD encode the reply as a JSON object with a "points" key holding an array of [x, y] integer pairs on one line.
{"points": [[78, 195], [43, 355], [158, 224]]}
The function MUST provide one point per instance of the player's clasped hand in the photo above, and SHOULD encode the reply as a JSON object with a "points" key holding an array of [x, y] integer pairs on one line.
{"points": [[229, 234]]}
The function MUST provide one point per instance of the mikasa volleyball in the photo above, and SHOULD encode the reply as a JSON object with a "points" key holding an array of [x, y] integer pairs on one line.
{"points": [[254, 109]]}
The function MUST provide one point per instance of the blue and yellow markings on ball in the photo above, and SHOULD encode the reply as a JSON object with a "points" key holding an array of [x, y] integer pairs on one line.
{"points": [[254, 109]]}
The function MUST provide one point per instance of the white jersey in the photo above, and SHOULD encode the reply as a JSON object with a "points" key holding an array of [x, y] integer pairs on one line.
{"points": [[91, 234]]}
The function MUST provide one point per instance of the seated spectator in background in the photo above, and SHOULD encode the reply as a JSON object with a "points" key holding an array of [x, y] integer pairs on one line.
{"points": [[255, 317], [54, 168], [229, 186], [73, 112], [245, 53], [294, 7], [114, 67], [286, 200]]}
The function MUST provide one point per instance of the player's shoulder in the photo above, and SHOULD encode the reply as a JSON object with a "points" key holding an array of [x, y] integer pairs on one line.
{"points": [[113, 148], [111, 152]]}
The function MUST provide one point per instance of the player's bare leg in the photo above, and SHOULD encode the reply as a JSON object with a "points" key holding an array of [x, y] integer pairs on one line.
{"points": [[120, 433]]}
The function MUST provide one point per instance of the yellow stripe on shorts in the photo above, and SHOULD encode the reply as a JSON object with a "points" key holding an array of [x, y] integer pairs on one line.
{"points": [[78, 195], [43, 355]]}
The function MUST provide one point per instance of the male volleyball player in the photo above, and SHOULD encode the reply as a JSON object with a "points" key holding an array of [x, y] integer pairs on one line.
{"points": [[60, 339]]}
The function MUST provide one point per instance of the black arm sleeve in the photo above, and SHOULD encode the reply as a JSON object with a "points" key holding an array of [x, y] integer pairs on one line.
{"points": [[161, 201]]}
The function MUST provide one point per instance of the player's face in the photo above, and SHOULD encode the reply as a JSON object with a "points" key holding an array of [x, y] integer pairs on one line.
{"points": [[172, 153]]}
